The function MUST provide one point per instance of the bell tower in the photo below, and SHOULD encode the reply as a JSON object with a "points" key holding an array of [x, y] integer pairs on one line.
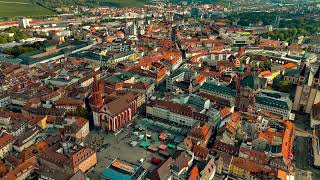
{"points": [[301, 88], [314, 96], [97, 100]]}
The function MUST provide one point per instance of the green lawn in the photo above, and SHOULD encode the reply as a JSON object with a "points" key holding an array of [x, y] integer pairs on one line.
{"points": [[14, 8]]}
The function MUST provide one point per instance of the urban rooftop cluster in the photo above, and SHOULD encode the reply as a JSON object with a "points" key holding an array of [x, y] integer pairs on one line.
{"points": [[158, 92]]}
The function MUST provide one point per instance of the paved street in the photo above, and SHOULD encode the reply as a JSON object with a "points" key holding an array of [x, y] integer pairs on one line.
{"points": [[303, 150], [303, 159]]}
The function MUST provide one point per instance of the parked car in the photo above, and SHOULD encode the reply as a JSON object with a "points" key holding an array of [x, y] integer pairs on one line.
{"points": [[155, 160]]}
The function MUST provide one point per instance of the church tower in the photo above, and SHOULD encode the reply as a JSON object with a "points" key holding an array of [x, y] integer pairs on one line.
{"points": [[307, 94], [299, 90], [314, 96], [96, 99]]}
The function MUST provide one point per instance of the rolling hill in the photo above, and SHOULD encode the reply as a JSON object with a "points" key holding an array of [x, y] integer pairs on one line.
{"points": [[14, 8]]}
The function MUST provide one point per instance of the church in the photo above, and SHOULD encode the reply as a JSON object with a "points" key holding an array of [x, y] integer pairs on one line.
{"points": [[307, 91], [115, 110]]}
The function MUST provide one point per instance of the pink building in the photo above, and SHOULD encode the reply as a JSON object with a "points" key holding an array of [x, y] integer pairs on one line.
{"points": [[112, 112]]}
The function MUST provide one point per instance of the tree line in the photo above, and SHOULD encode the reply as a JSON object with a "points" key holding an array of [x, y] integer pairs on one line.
{"points": [[18, 35]]}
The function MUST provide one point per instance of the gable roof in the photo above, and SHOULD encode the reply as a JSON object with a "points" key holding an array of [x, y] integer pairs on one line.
{"points": [[121, 103], [201, 152], [250, 166], [163, 171]]}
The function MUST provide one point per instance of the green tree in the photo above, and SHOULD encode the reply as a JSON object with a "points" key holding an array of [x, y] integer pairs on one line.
{"points": [[266, 65], [205, 64], [285, 86]]}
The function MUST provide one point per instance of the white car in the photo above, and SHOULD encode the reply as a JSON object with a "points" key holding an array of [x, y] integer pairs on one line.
{"points": [[141, 160]]}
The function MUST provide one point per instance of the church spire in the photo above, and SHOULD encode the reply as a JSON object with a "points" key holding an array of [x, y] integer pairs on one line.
{"points": [[97, 93]]}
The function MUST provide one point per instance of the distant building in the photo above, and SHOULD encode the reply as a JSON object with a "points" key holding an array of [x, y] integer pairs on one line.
{"points": [[24, 23], [53, 52]]}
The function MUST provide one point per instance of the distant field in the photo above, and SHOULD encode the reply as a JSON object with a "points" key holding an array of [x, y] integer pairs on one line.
{"points": [[125, 3], [14, 8]]}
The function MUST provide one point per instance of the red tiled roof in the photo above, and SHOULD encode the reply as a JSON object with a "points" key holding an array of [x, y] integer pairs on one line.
{"points": [[289, 65], [265, 73], [201, 152], [66, 101], [163, 170], [200, 79], [287, 144], [282, 175], [173, 107], [253, 155], [227, 148], [250, 166], [6, 139], [29, 163], [225, 112], [121, 103], [194, 174]]}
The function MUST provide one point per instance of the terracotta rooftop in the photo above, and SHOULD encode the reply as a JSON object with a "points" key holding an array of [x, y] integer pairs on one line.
{"points": [[250, 166], [224, 112], [29, 163], [65, 101], [194, 173], [5, 139], [54, 157], [81, 155], [173, 107], [253, 155], [181, 161], [227, 148], [118, 105], [201, 152], [163, 171]]}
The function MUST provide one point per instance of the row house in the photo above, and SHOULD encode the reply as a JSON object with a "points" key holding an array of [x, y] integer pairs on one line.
{"points": [[6, 143], [174, 113]]}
